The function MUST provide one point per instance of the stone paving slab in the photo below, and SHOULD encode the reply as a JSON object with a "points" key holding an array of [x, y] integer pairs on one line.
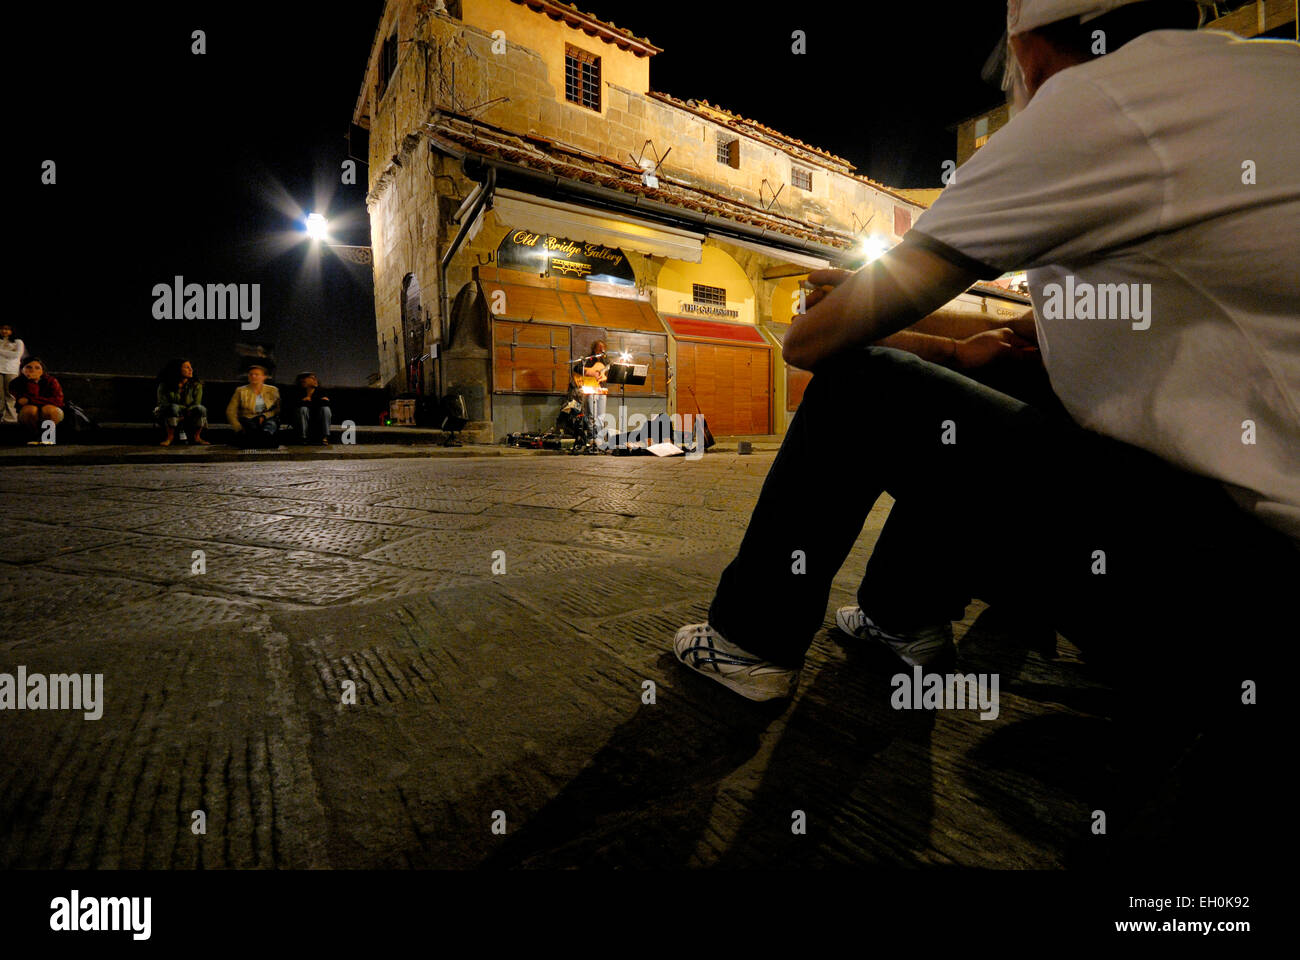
{"points": [[475, 690]]}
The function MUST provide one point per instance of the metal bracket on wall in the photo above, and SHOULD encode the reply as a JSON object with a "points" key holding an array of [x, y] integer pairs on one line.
{"points": [[775, 194], [659, 161]]}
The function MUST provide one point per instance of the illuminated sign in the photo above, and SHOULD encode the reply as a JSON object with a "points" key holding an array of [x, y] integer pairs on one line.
{"points": [[548, 256], [689, 306]]}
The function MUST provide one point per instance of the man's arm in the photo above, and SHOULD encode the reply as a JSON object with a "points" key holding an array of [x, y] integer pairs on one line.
{"points": [[927, 346], [882, 298]]}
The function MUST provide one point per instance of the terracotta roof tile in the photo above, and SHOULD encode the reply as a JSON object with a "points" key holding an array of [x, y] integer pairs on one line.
{"points": [[593, 26], [559, 159], [720, 115]]}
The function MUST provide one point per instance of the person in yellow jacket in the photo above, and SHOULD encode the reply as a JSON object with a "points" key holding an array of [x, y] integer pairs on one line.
{"points": [[254, 410]]}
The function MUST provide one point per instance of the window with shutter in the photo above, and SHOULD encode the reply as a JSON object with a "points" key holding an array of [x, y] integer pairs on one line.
{"points": [[387, 63], [581, 77], [729, 151]]}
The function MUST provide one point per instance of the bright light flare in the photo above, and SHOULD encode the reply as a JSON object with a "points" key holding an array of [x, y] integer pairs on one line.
{"points": [[317, 226], [874, 246]]}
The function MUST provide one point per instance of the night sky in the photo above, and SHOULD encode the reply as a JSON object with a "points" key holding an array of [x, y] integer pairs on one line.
{"points": [[175, 164]]}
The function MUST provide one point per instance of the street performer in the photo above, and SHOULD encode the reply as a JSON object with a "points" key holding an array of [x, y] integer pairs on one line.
{"points": [[590, 374]]}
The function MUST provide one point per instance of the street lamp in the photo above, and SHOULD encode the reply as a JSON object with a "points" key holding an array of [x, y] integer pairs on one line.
{"points": [[317, 226], [874, 246]]}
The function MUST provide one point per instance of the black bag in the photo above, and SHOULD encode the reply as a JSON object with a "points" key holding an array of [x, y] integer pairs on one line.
{"points": [[77, 420]]}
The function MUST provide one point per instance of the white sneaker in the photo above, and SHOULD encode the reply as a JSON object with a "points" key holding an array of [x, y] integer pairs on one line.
{"points": [[915, 649], [702, 649]]}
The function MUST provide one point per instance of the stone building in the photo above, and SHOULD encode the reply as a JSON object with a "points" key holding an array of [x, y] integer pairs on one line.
{"points": [[529, 193]]}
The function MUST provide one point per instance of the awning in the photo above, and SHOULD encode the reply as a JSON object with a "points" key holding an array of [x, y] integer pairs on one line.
{"points": [[776, 253], [560, 219], [556, 304], [693, 328]]}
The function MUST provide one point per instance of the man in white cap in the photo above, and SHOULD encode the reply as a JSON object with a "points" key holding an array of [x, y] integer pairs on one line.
{"points": [[1148, 181]]}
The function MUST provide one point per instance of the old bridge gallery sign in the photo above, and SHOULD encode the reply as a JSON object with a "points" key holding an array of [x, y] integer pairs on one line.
{"points": [[560, 257]]}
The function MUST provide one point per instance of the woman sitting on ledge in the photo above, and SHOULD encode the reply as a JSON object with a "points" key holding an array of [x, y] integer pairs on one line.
{"points": [[254, 410], [39, 399], [180, 400]]}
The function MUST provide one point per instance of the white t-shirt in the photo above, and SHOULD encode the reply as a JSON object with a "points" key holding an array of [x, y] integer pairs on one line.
{"points": [[11, 357], [1137, 168]]}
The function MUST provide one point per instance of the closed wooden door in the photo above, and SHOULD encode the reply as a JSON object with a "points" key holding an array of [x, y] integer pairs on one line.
{"points": [[732, 386]]}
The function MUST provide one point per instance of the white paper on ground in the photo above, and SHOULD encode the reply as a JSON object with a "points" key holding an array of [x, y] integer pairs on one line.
{"points": [[665, 449]]}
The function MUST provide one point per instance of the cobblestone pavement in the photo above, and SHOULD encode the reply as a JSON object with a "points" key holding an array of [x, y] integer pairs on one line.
{"points": [[519, 692]]}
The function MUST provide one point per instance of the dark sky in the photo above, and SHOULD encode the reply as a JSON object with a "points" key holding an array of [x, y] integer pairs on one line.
{"points": [[175, 164]]}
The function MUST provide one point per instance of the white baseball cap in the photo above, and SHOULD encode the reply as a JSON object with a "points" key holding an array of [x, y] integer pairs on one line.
{"points": [[1025, 15]]}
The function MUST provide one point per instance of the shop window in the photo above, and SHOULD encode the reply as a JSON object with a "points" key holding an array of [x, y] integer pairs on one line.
{"points": [[581, 77], [387, 63], [801, 178], [729, 151], [717, 296]]}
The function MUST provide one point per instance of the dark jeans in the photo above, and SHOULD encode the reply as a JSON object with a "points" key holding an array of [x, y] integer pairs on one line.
{"points": [[173, 414], [314, 422], [1014, 513], [256, 434]]}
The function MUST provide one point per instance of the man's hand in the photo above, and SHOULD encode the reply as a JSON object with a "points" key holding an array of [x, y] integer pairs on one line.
{"points": [[984, 348], [1024, 327], [823, 282]]}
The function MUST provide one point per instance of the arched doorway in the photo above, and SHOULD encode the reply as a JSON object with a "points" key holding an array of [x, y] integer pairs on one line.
{"points": [[412, 335]]}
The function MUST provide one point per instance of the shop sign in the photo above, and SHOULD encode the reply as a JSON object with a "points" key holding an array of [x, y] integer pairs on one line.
{"points": [[560, 257], [689, 306]]}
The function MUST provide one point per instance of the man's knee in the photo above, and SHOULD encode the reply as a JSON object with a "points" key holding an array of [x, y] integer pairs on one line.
{"points": [[864, 370], [51, 413]]}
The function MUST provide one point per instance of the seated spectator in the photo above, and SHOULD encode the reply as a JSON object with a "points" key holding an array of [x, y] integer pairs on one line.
{"points": [[180, 400], [11, 366], [314, 414], [254, 410], [38, 397]]}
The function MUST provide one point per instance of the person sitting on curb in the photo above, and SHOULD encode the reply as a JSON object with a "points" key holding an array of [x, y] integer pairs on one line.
{"points": [[254, 410], [180, 400], [314, 414], [1154, 517], [39, 399]]}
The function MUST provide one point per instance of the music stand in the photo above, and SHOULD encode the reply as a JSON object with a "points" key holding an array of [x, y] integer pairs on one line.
{"points": [[623, 374]]}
